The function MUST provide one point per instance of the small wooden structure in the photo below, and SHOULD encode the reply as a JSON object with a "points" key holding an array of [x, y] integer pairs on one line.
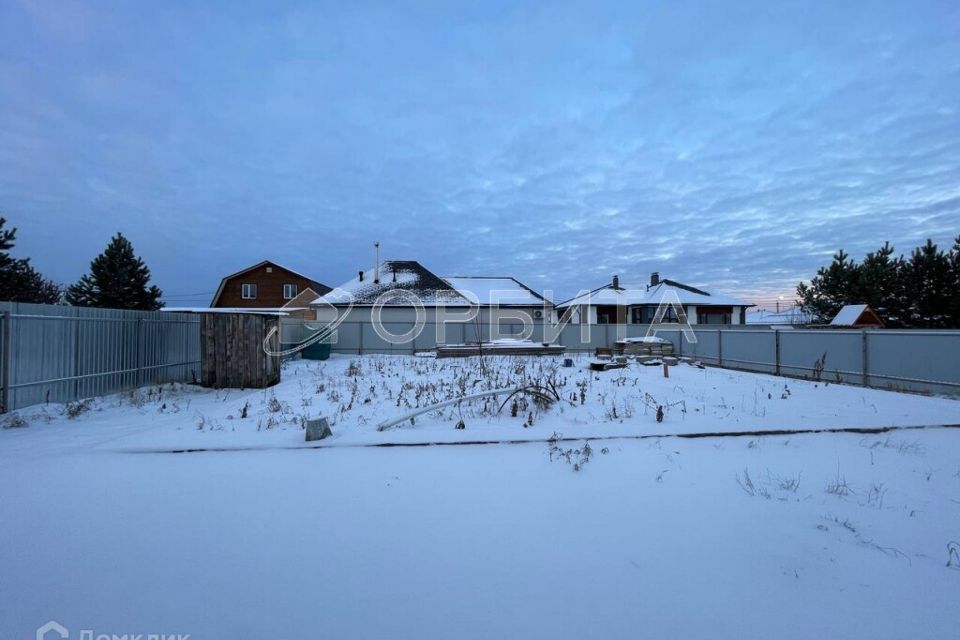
{"points": [[506, 348], [856, 315], [643, 348], [232, 350]]}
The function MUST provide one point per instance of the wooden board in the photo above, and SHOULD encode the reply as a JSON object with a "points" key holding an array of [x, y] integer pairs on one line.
{"points": [[232, 351]]}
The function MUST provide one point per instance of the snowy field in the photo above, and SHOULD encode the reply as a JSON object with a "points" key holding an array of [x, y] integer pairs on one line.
{"points": [[256, 533]]}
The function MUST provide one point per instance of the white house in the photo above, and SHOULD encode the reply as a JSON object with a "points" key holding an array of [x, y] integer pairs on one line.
{"points": [[397, 290], [617, 303]]}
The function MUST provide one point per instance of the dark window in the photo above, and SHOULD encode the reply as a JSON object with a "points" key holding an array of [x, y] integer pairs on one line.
{"points": [[289, 291], [248, 291]]}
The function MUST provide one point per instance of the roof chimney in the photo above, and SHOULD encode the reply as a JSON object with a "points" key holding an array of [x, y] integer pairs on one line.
{"points": [[376, 263], [654, 278], [616, 282], [361, 275]]}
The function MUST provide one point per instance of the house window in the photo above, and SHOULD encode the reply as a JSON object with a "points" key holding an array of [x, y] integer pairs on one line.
{"points": [[289, 291], [649, 313], [714, 315], [248, 291], [636, 315]]}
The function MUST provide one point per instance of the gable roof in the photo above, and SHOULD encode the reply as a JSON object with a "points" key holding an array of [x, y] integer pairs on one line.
{"points": [[318, 287], [628, 294], [856, 314]]}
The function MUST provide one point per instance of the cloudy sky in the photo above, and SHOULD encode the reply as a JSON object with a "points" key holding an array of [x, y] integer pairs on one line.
{"points": [[730, 145]]}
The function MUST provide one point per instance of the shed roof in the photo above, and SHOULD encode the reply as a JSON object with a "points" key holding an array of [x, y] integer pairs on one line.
{"points": [[852, 315]]}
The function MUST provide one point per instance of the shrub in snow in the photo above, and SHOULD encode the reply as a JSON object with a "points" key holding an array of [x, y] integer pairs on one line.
{"points": [[838, 486], [953, 554], [273, 405], [15, 421], [78, 408]]}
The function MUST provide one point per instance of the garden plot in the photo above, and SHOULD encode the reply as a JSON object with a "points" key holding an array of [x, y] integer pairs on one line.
{"points": [[356, 394]]}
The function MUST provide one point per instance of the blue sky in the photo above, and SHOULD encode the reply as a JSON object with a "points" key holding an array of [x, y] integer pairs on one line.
{"points": [[730, 145]]}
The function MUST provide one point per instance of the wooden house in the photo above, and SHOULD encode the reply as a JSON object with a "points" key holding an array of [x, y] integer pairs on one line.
{"points": [[269, 286]]}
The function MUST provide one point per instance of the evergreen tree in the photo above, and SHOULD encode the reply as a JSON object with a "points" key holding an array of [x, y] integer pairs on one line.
{"points": [[881, 285], [118, 279], [955, 287], [929, 287], [19, 281], [831, 288]]}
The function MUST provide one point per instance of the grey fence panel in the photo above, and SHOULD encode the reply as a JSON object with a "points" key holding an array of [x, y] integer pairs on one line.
{"points": [[929, 360], [706, 348], [60, 354], [346, 339], [749, 350], [839, 351]]}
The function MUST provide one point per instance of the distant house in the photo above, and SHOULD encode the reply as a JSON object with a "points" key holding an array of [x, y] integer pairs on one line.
{"points": [[617, 303], [402, 284], [789, 316], [856, 315], [268, 286]]}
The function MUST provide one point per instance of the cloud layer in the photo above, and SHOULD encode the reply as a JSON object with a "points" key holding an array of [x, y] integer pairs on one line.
{"points": [[732, 147]]}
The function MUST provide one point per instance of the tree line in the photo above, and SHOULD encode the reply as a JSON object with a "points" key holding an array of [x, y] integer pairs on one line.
{"points": [[118, 279], [920, 290]]}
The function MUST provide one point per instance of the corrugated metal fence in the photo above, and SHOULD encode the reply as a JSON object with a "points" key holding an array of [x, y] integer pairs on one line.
{"points": [[60, 354], [52, 353], [911, 360]]}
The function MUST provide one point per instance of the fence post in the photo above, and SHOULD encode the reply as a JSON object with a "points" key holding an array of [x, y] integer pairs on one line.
{"points": [[139, 374], [866, 368], [75, 318], [776, 333], [5, 360], [719, 347]]}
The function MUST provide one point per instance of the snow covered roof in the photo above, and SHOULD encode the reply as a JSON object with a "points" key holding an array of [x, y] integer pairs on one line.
{"points": [[413, 277], [503, 290], [395, 275], [627, 295], [848, 314], [853, 315]]}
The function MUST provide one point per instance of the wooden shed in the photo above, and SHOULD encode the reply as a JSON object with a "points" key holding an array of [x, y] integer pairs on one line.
{"points": [[856, 315], [232, 350]]}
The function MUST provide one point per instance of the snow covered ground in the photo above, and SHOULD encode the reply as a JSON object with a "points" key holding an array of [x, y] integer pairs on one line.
{"points": [[816, 535]]}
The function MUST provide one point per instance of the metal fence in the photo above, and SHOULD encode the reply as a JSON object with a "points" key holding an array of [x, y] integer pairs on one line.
{"points": [[909, 360], [60, 354], [51, 353]]}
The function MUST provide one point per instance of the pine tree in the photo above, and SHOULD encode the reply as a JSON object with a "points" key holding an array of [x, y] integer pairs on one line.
{"points": [[118, 279], [881, 285], [928, 283], [954, 305], [19, 281], [831, 288]]}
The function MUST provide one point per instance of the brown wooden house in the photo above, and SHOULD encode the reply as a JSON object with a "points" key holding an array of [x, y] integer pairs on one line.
{"points": [[267, 285]]}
